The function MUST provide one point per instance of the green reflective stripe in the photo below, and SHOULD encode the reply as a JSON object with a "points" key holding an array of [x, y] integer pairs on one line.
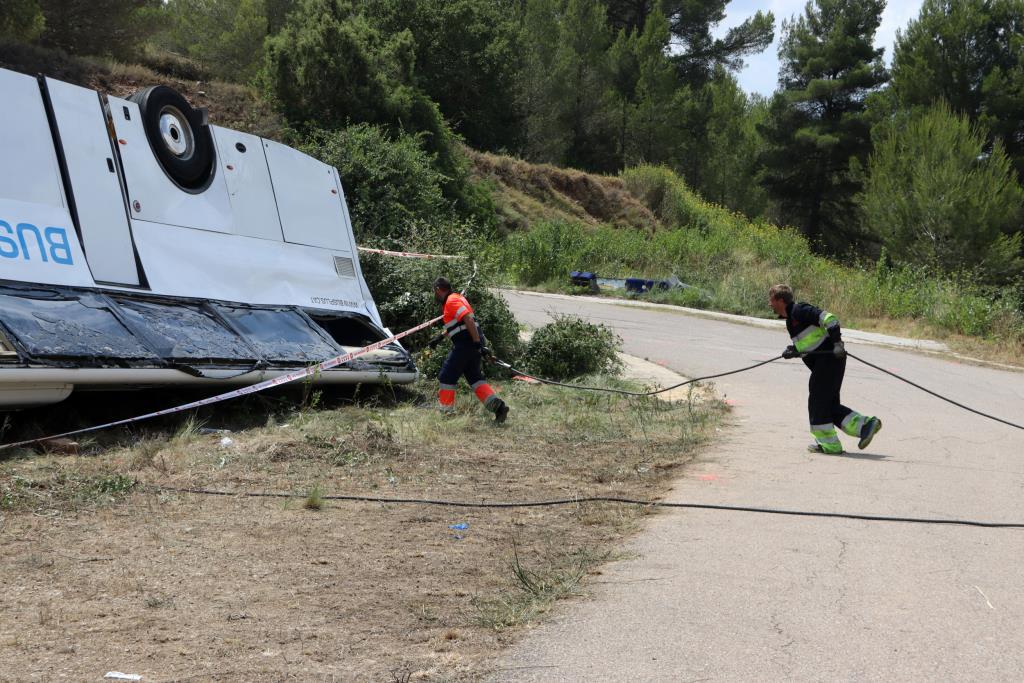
{"points": [[853, 423], [825, 432], [807, 332], [826, 437], [827, 319], [809, 339]]}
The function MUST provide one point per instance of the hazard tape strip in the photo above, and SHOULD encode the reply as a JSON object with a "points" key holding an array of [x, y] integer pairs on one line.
{"points": [[407, 254], [251, 389]]}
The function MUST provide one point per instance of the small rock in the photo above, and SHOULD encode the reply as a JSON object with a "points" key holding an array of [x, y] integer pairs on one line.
{"points": [[62, 446]]}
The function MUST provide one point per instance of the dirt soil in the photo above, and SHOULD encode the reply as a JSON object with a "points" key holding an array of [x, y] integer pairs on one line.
{"points": [[100, 570]]}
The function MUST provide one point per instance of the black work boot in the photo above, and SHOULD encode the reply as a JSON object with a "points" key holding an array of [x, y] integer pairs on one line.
{"points": [[868, 431], [500, 412]]}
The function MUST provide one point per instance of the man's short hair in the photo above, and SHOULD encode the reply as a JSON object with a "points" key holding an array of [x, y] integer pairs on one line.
{"points": [[443, 284], [784, 292]]}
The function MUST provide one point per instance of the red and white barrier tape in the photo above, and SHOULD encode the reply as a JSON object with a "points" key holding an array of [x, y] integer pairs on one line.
{"points": [[252, 389], [406, 254]]}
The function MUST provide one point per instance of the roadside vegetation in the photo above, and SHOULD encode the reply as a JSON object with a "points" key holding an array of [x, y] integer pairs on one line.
{"points": [[107, 563], [731, 261]]}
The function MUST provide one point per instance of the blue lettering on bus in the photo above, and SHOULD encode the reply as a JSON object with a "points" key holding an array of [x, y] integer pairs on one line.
{"points": [[26, 241]]}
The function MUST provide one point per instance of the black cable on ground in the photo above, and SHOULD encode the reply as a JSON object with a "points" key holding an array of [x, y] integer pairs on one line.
{"points": [[751, 367], [935, 394], [633, 393], [602, 499]]}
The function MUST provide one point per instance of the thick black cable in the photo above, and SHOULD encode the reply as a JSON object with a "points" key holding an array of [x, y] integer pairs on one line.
{"points": [[600, 499], [935, 394], [632, 393], [751, 367]]}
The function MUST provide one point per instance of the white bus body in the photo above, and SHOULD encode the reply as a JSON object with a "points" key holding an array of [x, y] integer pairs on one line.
{"points": [[141, 246]]}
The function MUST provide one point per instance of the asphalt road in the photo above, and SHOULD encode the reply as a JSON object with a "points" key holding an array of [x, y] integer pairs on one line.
{"points": [[736, 596]]}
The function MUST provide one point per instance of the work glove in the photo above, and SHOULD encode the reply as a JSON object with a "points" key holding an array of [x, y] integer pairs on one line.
{"points": [[790, 352], [434, 341], [839, 349], [485, 352]]}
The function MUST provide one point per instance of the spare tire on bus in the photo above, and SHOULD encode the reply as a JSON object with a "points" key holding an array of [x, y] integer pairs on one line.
{"points": [[178, 135]]}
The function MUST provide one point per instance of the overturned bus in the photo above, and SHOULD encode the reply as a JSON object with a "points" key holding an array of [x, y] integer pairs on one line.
{"points": [[141, 246]]}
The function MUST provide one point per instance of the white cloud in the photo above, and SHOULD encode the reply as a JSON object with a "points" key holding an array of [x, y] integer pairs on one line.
{"points": [[761, 72]]}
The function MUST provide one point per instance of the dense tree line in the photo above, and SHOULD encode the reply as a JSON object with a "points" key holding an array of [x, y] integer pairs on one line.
{"points": [[923, 159]]}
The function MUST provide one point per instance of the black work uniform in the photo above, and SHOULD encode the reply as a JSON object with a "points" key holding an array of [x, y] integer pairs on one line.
{"points": [[827, 371]]}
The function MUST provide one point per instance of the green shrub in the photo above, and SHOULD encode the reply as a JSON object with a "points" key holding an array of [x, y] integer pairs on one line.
{"points": [[570, 347], [390, 181]]}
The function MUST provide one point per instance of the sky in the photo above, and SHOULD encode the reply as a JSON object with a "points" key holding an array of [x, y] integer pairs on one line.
{"points": [[761, 73]]}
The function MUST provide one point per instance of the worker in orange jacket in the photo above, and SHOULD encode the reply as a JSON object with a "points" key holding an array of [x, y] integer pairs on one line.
{"points": [[468, 347]]}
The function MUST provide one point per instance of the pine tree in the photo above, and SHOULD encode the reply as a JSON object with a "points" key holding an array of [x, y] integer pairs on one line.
{"points": [[692, 23], [818, 135], [225, 36], [935, 197], [624, 74], [733, 144], [656, 114], [98, 27], [467, 58], [329, 66], [566, 84], [970, 54], [21, 20]]}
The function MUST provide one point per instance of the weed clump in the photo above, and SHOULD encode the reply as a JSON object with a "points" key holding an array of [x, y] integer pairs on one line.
{"points": [[315, 500]]}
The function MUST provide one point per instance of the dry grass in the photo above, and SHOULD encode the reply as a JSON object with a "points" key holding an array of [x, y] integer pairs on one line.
{"points": [[525, 193], [172, 585], [230, 105], [1001, 350]]}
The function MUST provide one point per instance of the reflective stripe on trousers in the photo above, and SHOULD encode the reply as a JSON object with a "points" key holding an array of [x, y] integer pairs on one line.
{"points": [[853, 423], [826, 437], [446, 397], [486, 394]]}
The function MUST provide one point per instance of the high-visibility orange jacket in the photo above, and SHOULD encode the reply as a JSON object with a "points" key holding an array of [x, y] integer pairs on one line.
{"points": [[456, 308]]}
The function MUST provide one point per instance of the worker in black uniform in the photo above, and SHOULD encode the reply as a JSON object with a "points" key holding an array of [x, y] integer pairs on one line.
{"points": [[817, 340]]}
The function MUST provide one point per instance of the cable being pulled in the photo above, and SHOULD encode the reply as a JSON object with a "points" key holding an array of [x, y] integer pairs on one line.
{"points": [[935, 394], [751, 367], [610, 390]]}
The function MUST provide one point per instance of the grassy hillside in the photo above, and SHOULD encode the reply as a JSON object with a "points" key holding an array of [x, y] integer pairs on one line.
{"points": [[732, 261]]}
